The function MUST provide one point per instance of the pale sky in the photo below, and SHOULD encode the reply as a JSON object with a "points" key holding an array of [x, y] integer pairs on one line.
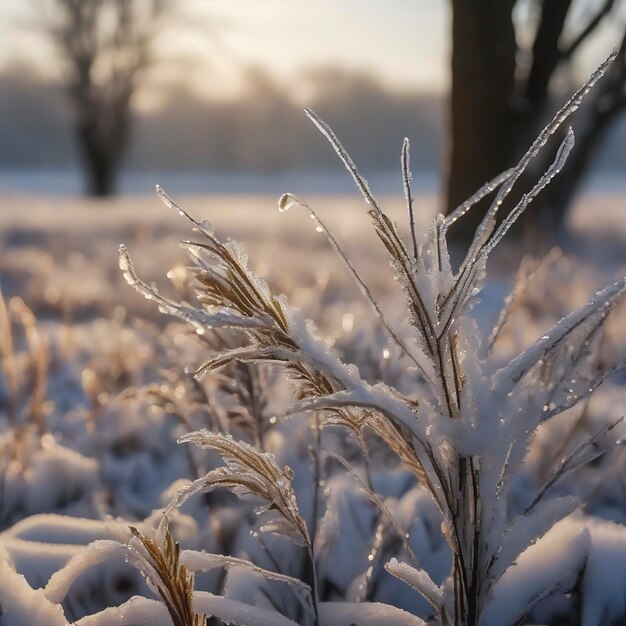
{"points": [[401, 42]]}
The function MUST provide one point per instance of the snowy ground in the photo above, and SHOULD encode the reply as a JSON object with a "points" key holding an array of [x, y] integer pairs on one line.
{"points": [[99, 447], [60, 253]]}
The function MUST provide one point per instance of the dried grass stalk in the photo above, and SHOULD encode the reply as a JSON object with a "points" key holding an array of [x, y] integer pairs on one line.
{"points": [[169, 577]]}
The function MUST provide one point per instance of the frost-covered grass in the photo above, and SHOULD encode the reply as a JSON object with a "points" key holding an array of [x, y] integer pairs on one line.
{"points": [[450, 451]]}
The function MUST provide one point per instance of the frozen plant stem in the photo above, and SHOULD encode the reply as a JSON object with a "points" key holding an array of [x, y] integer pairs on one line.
{"points": [[314, 582], [251, 473], [405, 162], [469, 430]]}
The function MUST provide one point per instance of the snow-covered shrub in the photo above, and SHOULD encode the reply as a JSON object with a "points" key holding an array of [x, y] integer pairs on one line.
{"points": [[463, 432], [426, 459]]}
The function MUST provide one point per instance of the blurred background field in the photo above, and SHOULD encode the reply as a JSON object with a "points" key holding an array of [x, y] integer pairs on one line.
{"points": [[60, 253], [101, 100]]}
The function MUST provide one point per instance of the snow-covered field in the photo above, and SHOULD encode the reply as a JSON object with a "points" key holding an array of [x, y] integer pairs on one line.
{"points": [[96, 388]]}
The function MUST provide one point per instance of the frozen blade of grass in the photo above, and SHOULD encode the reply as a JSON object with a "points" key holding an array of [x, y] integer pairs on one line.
{"points": [[203, 227], [365, 291], [405, 161], [564, 387], [248, 472], [224, 281], [575, 459], [220, 477], [200, 319], [395, 439], [485, 190], [228, 278], [196, 561], [402, 261], [526, 529], [572, 104], [361, 183], [359, 281], [169, 577], [419, 580], [592, 385], [222, 359], [383, 225], [559, 161], [470, 277], [399, 418], [507, 377], [394, 410]]}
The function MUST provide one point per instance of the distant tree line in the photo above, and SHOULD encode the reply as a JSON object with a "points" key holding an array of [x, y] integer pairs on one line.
{"points": [[262, 129], [504, 71]]}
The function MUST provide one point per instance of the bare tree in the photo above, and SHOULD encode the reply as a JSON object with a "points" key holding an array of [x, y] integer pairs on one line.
{"points": [[106, 46], [501, 91]]}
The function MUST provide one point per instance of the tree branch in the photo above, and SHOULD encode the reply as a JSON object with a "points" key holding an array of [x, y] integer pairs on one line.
{"points": [[545, 50], [568, 51]]}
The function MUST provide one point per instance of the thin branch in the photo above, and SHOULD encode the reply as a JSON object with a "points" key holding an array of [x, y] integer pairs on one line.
{"points": [[604, 10]]}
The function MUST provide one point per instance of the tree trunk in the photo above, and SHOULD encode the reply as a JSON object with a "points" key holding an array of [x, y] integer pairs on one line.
{"points": [[100, 171], [102, 139], [498, 105], [484, 133]]}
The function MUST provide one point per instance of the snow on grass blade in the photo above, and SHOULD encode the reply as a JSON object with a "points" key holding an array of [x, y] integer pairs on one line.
{"points": [[510, 375], [140, 610], [419, 580]]}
